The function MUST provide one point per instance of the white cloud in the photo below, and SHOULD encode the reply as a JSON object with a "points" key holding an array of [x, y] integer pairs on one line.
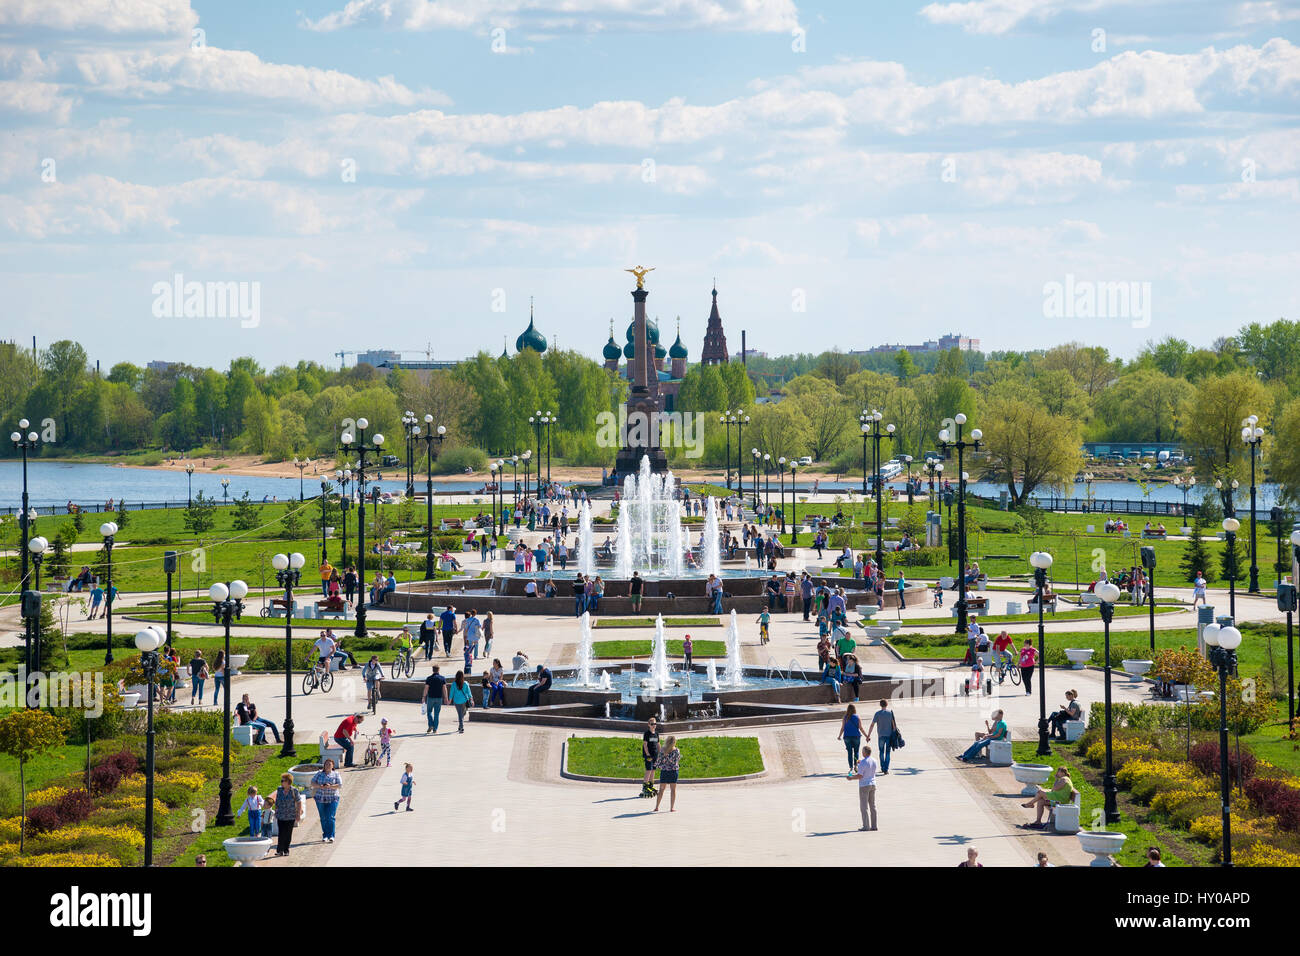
{"points": [[157, 18], [758, 16]]}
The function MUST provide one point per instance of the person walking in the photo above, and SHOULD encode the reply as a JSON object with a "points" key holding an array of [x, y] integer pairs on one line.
{"points": [[198, 675], [489, 631], [435, 695], [327, 792], [218, 675], [428, 635], [408, 784], [288, 811], [635, 588], [1028, 659], [668, 762], [851, 734], [462, 698], [902, 590], [885, 725], [865, 775], [448, 620]]}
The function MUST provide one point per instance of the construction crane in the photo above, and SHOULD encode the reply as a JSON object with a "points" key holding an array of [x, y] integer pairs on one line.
{"points": [[342, 360]]}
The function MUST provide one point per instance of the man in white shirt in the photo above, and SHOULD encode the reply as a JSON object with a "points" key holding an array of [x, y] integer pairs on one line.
{"points": [[324, 649], [866, 778]]}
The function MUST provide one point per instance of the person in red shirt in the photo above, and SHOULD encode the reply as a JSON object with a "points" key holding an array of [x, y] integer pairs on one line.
{"points": [[1004, 648], [343, 736]]}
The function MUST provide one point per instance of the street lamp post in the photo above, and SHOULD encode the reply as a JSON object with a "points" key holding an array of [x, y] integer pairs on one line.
{"points": [[1286, 601], [189, 484], [907, 463], [350, 442], [147, 641], [767, 487], [536, 422], [344, 477], [1108, 594], [947, 442], [301, 465], [1221, 647], [288, 571], [1041, 562], [324, 511], [780, 465], [227, 604], [1230, 526], [24, 441], [429, 436], [757, 459], [108, 529], [411, 425], [37, 546], [794, 508], [727, 421], [866, 433], [877, 436], [1253, 436], [225, 487]]}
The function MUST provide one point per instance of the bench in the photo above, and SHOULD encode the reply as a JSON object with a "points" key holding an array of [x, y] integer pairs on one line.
{"points": [[1000, 753], [1050, 606], [1064, 817], [1015, 607], [1156, 535], [338, 614], [278, 609], [450, 523], [1074, 730], [243, 734]]}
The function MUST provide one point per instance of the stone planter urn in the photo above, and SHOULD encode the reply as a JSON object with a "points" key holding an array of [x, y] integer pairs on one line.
{"points": [[141, 692], [302, 774], [1032, 775], [131, 699], [1078, 656], [1137, 669], [1102, 844], [236, 662], [245, 850]]}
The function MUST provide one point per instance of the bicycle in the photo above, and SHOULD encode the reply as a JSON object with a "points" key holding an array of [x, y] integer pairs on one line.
{"points": [[403, 664], [1004, 669], [319, 676]]}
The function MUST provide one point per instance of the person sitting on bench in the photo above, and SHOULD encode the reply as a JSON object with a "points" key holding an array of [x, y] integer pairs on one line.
{"points": [[1062, 792], [246, 711], [996, 731], [536, 690], [1070, 710]]}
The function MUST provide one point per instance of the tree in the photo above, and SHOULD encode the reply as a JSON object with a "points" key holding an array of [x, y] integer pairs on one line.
{"points": [[1195, 559], [292, 523], [200, 515], [825, 413], [1284, 462], [1212, 423], [906, 365], [1143, 405], [1023, 439], [835, 366], [26, 733], [247, 515]]}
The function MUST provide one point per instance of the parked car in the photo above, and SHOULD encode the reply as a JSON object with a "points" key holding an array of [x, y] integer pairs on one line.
{"points": [[390, 461], [805, 461]]}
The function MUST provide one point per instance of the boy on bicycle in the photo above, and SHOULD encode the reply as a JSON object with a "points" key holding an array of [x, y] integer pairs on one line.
{"points": [[763, 620], [372, 674]]}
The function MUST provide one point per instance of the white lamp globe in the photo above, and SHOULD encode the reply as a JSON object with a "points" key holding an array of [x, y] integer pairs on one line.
{"points": [[238, 590], [1109, 593], [781, 460], [378, 440], [15, 437], [23, 423], [889, 428], [939, 467], [147, 640], [428, 419], [1259, 432], [960, 418], [1295, 538], [218, 592], [1229, 638], [866, 429], [976, 434], [1041, 560], [37, 545], [1246, 433], [943, 434], [1231, 525], [346, 438], [1211, 635], [296, 560], [280, 561], [415, 429], [442, 429], [108, 529], [363, 423]]}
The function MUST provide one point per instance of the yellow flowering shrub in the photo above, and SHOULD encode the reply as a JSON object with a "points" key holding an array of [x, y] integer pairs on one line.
{"points": [[1144, 776], [1168, 801], [1265, 854], [1209, 829], [9, 829], [191, 780], [135, 802], [205, 752], [1122, 751], [49, 795], [59, 859]]}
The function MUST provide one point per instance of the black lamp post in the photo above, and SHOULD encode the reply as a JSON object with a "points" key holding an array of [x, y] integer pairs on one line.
{"points": [[1286, 601], [536, 422], [324, 511], [542, 420], [1221, 645], [869, 419], [344, 477], [907, 463], [1184, 485], [1109, 594], [301, 465], [429, 436], [108, 529], [227, 605], [780, 465], [411, 426], [866, 433], [350, 442], [1041, 562], [757, 458], [1253, 436], [494, 489], [24, 441], [527, 459], [948, 442], [794, 508], [37, 546], [736, 420], [189, 484], [767, 486], [288, 571], [148, 641], [225, 487], [1230, 527]]}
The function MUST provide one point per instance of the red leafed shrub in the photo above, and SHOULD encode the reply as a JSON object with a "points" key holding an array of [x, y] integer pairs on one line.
{"points": [[1205, 758], [1275, 798], [124, 760], [104, 778], [44, 818], [74, 806]]}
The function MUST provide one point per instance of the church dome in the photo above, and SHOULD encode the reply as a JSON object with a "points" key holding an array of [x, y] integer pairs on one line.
{"points": [[530, 338], [612, 351], [677, 351], [651, 331]]}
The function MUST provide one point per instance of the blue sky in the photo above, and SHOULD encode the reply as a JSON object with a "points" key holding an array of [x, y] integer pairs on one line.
{"points": [[852, 173]]}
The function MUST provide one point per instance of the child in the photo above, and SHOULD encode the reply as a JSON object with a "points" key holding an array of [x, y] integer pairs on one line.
{"points": [[408, 782], [687, 649], [386, 742], [976, 680], [938, 594], [254, 807], [763, 620]]}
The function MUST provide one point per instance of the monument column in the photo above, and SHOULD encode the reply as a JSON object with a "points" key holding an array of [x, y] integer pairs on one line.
{"points": [[642, 434]]}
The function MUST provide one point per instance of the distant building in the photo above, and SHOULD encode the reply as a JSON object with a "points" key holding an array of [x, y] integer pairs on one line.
{"points": [[157, 366], [378, 357], [943, 343], [715, 340]]}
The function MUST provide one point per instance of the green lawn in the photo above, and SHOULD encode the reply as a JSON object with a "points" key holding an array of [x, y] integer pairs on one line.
{"points": [[1141, 835], [701, 757], [253, 620], [606, 650], [1082, 614], [650, 622]]}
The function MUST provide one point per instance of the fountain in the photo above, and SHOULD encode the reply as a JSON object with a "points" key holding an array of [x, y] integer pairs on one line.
{"points": [[584, 651], [649, 525], [735, 673], [711, 552], [659, 657], [586, 543], [605, 683], [711, 672]]}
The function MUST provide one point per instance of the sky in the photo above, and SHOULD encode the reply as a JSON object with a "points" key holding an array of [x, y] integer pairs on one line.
{"points": [[409, 174]]}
